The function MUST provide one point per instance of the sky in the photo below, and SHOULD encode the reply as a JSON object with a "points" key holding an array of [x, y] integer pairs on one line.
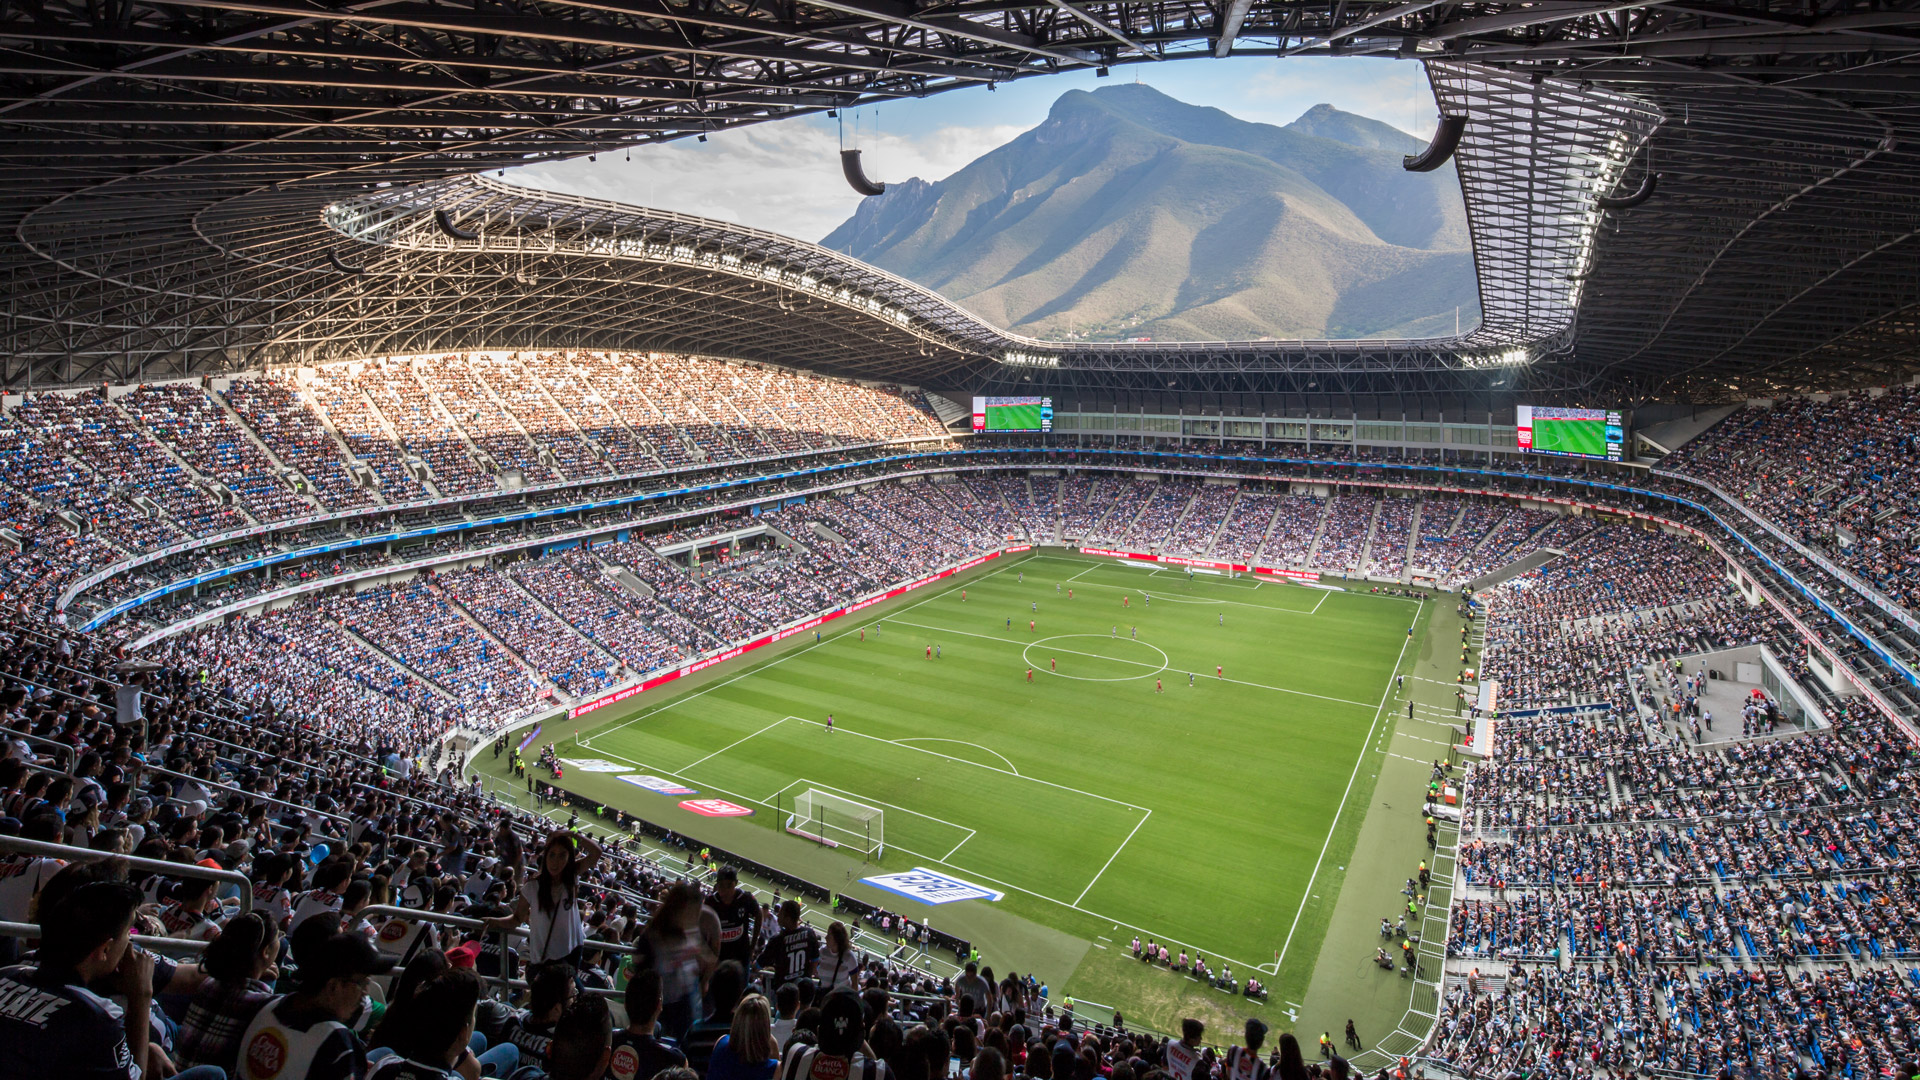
{"points": [[785, 176]]}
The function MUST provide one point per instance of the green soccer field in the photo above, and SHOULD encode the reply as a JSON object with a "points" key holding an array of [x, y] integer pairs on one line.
{"points": [[1194, 815], [1571, 436]]}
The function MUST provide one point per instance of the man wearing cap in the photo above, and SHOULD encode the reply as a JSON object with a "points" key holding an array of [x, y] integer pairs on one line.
{"points": [[839, 1056], [1243, 1062], [304, 1036], [739, 915]]}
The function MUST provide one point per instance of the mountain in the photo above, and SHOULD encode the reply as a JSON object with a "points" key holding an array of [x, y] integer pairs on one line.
{"points": [[1130, 214]]}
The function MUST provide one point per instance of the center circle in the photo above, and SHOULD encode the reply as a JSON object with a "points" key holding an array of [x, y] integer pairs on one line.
{"points": [[1026, 654]]}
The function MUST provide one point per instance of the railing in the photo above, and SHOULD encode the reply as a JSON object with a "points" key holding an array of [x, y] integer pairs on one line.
{"points": [[156, 866]]}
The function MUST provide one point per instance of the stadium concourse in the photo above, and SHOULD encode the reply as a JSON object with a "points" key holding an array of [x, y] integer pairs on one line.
{"points": [[257, 628]]}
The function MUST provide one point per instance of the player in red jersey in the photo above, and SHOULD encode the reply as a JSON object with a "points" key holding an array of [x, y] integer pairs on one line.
{"points": [[1029, 674]]}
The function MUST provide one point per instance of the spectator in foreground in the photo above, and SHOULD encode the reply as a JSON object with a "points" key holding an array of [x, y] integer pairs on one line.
{"points": [[435, 1045], [70, 1033], [304, 1036], [638, 1053], [240, 973], [747, 1051], [842, 1033]]}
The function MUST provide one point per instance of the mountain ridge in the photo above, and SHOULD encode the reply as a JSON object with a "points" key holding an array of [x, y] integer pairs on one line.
{"points": [[1128, 213]]}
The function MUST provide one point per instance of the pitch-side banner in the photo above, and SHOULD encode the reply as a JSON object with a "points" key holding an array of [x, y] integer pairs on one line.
{"points": [[1207, 564]]}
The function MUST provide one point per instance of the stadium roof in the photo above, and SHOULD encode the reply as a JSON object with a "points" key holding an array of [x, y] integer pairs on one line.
{"points": [[213, 185]]}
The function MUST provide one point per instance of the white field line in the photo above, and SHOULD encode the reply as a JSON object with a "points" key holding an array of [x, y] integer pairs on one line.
{"points": [[1191, 600], [1169, 939], [737, 742], [1322, 600], [1340, 808], [1110, 858], [674, 702], [1136, 663], [839, 728], [871, 801], [960, 742]]}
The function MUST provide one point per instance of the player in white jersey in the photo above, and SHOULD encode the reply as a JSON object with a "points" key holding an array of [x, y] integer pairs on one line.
{"points": [[1183, 1054]]}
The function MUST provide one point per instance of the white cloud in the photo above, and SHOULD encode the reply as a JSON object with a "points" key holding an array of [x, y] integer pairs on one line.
{"points": [[783, 177]]}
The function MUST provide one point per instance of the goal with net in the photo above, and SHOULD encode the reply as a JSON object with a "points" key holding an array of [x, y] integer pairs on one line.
{"points": [[837, 821]]}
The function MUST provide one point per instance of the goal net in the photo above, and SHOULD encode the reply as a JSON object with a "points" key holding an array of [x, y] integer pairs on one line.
{"points": [[837, 821]]}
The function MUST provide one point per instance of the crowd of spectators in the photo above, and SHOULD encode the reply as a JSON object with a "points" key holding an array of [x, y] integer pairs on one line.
{"points": [[1297, 525], [1840, 473]]}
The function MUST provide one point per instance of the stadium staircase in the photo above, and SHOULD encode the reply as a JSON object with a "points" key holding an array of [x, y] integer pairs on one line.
{"points": [[949, 413], [1413, 538], [515, 584], [396, 662], [513, 654], [1320, 531], [221, 404], [1366, 550], [1532, 560]]}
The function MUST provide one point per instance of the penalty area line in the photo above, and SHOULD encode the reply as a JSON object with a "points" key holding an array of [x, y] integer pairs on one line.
{"points": [[1110, 858]]}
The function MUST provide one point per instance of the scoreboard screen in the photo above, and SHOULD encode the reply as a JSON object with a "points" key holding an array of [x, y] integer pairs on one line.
{"points": [[1586, 433], [1013, 414]]}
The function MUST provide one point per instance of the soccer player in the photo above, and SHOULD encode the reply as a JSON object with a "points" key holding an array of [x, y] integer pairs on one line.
{"points": [[963, 596], [1223, 618], [1029, 674], [929, 652], [1116, 630], [1126, 601], [1052, 665], [1219, 672], [863, 633], [1056, 588], [1029, 626], [1009, 622], [1156, 686], [1023, 577], [1189, 680], [1036, 607], [829, 723], [1134, 632], [1149, 597], [936, 652], [1069, 594]]}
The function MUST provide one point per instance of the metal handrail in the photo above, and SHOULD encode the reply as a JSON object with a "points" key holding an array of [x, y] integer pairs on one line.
{"points": [[150, 942], [157, 866]]}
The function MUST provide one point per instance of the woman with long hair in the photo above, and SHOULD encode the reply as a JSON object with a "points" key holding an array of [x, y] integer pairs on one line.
{"points": [[839, 961], [1292, 1066], [748, 1050], [673, 946], [549, 903], [239, 965]]}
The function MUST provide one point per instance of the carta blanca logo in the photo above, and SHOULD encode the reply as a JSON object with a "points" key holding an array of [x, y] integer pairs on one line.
{"points": [[931, 887]]}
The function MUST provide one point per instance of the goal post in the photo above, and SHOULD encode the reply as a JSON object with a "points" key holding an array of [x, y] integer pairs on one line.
{"points": [[836, 821]]}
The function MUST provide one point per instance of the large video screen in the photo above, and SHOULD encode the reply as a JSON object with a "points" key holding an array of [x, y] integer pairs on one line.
{"points": [[1586, 433], [1013, 414]]}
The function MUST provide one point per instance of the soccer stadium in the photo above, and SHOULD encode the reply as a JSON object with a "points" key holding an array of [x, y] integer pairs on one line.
{"points": [[649, 645]]}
